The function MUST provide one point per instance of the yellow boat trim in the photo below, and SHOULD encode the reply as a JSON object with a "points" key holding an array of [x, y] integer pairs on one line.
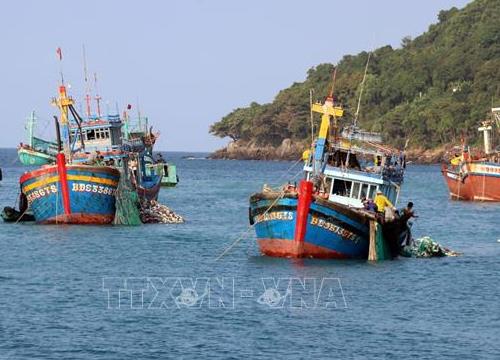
{"points": [[52, 179], [93, 179]]}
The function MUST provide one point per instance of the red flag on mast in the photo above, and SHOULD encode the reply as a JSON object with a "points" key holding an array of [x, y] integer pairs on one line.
{"points": [[59, 53]]}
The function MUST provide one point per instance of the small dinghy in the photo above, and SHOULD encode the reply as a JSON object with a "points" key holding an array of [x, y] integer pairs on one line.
{"points": [[10, 214]]}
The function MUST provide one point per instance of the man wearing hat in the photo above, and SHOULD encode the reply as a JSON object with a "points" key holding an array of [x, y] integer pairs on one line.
{"points": [[382, 202]]}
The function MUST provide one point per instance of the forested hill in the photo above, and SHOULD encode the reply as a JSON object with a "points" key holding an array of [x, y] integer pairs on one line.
{"points": [[431, 90]]}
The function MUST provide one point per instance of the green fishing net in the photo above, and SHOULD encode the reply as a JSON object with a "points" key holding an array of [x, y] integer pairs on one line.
{"points": [[127, 202]]}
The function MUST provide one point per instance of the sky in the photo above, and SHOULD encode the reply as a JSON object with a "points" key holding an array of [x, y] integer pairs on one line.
{"points": [[187, 63]]}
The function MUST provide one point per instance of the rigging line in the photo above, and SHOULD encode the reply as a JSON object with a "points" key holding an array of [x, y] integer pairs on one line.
{"points": [[78, 121], [361, 90], [288, 170]]}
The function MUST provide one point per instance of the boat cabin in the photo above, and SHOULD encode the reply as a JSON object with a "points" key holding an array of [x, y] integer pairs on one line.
{"points": [[99, 134], [347, 179]]}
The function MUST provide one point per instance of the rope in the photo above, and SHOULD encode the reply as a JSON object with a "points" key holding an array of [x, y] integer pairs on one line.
{"points": [[242, 236], [288, 170], [20, 217], [250, 227]]}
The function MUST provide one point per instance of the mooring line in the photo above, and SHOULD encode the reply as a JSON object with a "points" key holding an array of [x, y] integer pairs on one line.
{"points": [[250, 227], [242, 236]]}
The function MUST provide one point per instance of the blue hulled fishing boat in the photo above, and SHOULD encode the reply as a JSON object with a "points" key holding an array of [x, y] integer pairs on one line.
{"points": [[85, 195], [66, 192], [327, 215]]}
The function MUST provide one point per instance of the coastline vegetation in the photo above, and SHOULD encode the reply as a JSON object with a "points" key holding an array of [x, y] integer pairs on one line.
{"points": [[433, 90]]}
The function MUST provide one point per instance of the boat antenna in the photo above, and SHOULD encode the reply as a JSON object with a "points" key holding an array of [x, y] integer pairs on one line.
{"points": [[331, 98], [361, 90], [59, 55], [139, 115], [87, 86], [311, 92], [31, 126], [97, 97], [334, 76]]}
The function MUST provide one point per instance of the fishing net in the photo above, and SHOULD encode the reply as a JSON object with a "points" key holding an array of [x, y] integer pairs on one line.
{"points": [[426, 247], [127, 203], [152, 212]]}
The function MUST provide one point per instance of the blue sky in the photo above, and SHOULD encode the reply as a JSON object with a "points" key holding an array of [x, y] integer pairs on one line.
{"points": [[188, 62]]}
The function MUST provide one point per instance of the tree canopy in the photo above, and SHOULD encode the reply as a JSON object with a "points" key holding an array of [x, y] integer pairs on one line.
{"points": [[432, 90]]}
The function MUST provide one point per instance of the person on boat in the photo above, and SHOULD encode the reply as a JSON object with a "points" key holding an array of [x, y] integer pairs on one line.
{"points": [[408, 211], [159, 158], [381, 201], [23, 201], [369, 204]]}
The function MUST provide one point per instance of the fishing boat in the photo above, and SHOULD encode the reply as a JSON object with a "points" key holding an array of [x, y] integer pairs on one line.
{"points": [[67, 193], [37, 151], [169, 174], [324, 216], [78, 194], [98, 140], [146, 176], [473, 175]]}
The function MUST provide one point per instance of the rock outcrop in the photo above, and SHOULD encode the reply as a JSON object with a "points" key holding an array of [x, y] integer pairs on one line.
{"points": [[243, 150], [290, 150]]}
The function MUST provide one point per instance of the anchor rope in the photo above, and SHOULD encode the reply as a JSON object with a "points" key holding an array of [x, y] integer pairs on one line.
{"points": [[250, 227], [20, 217]]}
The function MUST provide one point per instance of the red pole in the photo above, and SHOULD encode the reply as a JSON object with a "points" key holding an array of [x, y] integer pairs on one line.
{"points": [[303, 204], [63, 180]]}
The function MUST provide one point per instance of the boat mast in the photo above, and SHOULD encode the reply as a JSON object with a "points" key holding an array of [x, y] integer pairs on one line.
{"points": [[327, 110], [31, 127], [126, 125], [361, 90], [486, 129], [97, 97], [63, 102], [87, 87]]}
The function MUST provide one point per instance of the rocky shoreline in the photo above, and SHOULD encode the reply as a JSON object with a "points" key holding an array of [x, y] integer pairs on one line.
{"points": [[289, 150]]}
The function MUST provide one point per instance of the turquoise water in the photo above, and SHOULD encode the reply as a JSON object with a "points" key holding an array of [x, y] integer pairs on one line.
{"points": [[59, 284]]}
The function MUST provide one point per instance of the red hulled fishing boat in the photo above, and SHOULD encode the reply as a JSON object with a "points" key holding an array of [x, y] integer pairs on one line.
{"points": [[476, 176]]}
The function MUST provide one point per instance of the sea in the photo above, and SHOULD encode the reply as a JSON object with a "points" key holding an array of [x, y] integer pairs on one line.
{"points": [[202, 290]]}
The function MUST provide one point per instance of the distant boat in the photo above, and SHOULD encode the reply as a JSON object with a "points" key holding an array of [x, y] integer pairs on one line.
{"points": [[169, 175], [29, 156], [37, 151], [146, 178], [476, 177]]}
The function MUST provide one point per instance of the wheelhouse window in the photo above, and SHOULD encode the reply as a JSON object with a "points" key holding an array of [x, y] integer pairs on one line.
{"points": [[341, 187], [355, 190], [364, 190], [327, 184], [373, 189], [91, 135]]}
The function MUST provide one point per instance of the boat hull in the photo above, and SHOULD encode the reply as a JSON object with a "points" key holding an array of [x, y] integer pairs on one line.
{"points": [[149, 188], [33, 157], [332, 231], [91, 194], [170, 178], [474, 182]]}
